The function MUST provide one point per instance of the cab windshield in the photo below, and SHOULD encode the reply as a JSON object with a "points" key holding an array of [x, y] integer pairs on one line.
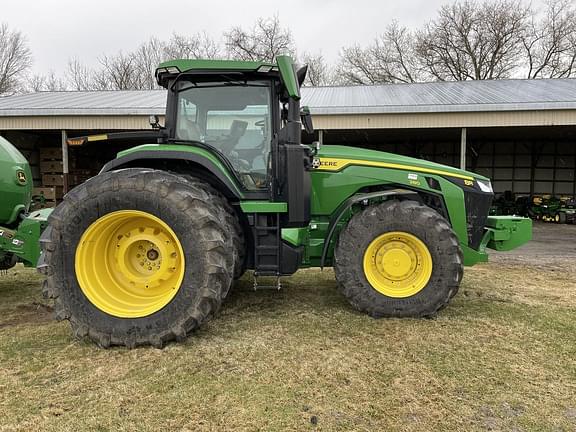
{"points": [[235, 119]]}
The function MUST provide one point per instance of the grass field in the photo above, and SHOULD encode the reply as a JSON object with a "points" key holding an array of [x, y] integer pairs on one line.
{"points": [[502, 356]]}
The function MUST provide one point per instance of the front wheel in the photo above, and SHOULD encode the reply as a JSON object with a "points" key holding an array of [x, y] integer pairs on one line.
{"points": [[398, 259], [137, 257]]}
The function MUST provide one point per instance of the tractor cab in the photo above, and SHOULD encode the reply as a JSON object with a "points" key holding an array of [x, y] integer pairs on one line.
{"points": [[236, 120], [248, 114]]}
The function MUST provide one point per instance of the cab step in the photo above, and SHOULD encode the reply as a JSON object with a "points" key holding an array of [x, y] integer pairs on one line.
{"points": [[275, 285]]}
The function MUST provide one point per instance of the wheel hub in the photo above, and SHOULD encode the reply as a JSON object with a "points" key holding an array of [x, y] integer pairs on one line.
{"points": [[397, 264], [129, 263]]}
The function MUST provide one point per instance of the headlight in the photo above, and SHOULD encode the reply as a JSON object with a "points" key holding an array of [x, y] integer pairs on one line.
{"points": [[485, 185]]}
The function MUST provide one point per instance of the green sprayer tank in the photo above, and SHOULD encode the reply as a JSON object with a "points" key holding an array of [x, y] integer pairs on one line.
{"points": [[15, 183], [19, 230]]}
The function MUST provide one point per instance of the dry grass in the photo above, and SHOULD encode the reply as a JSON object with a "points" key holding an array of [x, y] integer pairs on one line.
{"points": [[500, 357]]}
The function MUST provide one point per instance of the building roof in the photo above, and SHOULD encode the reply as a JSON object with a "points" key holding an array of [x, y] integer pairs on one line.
{"points": [[437, 97], [126, 102]]}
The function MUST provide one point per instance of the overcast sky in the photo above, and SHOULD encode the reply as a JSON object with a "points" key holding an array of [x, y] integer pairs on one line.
{"points": [[61, 29]]}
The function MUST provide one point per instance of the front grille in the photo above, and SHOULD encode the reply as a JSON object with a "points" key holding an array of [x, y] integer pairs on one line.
{"points": [[477, 209]]}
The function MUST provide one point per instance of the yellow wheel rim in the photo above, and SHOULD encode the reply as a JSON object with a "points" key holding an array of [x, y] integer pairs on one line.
{"points": [[129, 264], [397, 264]]}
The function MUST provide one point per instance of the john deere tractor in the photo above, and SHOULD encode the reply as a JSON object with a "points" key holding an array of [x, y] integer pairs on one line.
{"points": [[146, 251], [19, 230]]}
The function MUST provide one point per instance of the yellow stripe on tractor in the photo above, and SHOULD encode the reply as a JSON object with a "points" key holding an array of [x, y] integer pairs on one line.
{"points": [[336, 164], [91, 138]]}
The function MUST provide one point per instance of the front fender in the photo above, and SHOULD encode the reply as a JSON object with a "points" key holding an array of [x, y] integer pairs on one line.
{"points": [[347, 205]]}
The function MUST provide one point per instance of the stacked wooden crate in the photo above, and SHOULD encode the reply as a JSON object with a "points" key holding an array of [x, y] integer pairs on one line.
{"points": [[52, 172]]}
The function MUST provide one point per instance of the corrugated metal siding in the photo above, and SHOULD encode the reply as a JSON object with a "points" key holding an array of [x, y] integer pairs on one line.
{"points": [[467, 96], [132, 102], [442, 104], [445, 120], [75, 123], [464, 96], [326, 122]]}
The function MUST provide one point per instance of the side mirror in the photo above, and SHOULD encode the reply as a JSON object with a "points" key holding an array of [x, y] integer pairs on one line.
{"points": [[301, 74], [154, 122], [315, 148], [306, 120]]}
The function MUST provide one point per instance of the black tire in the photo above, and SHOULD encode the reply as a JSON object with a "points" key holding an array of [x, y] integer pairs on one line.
{"points": [[7, 261], [561, 217], [405, 216], [190, 213], [229, 216]]}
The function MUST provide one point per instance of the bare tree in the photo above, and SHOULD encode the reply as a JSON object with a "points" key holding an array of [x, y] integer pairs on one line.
{"points": [[319, 73], [15, 59], [357, 67], [135, 70], [118, 72], [474, 41], [78, 76], [550, 43], [49, 82], [391, 58], [264, 42], [145, 61], [198, 46]]}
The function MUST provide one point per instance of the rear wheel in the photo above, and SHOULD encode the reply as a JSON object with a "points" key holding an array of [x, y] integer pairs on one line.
{"points": [[227, 214], [136, 257], [398, 259]]}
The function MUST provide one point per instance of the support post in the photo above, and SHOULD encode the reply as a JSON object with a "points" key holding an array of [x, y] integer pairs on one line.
{"points": [[321, 136], [65, 163], [463, 149]]}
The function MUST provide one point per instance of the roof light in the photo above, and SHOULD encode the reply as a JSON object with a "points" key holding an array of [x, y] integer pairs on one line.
{"points": [[76, 141], [161, 70], [264, 69], [172, 70]]}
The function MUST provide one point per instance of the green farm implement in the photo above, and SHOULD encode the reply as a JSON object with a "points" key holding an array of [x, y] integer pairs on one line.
{"points": [[19, 229]]}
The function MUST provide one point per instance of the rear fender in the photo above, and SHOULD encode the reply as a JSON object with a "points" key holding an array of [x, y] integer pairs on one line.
{"points": [[183, 162]]}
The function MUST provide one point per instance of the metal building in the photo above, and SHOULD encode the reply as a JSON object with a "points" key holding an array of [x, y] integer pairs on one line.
{"points": [[521, 133]]}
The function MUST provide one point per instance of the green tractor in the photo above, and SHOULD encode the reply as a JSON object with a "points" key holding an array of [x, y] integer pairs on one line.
{"points": [[19, 230], [145, 252]]}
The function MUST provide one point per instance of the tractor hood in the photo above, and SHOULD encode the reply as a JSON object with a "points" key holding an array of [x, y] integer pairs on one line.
{"points": [[335, 158]]}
